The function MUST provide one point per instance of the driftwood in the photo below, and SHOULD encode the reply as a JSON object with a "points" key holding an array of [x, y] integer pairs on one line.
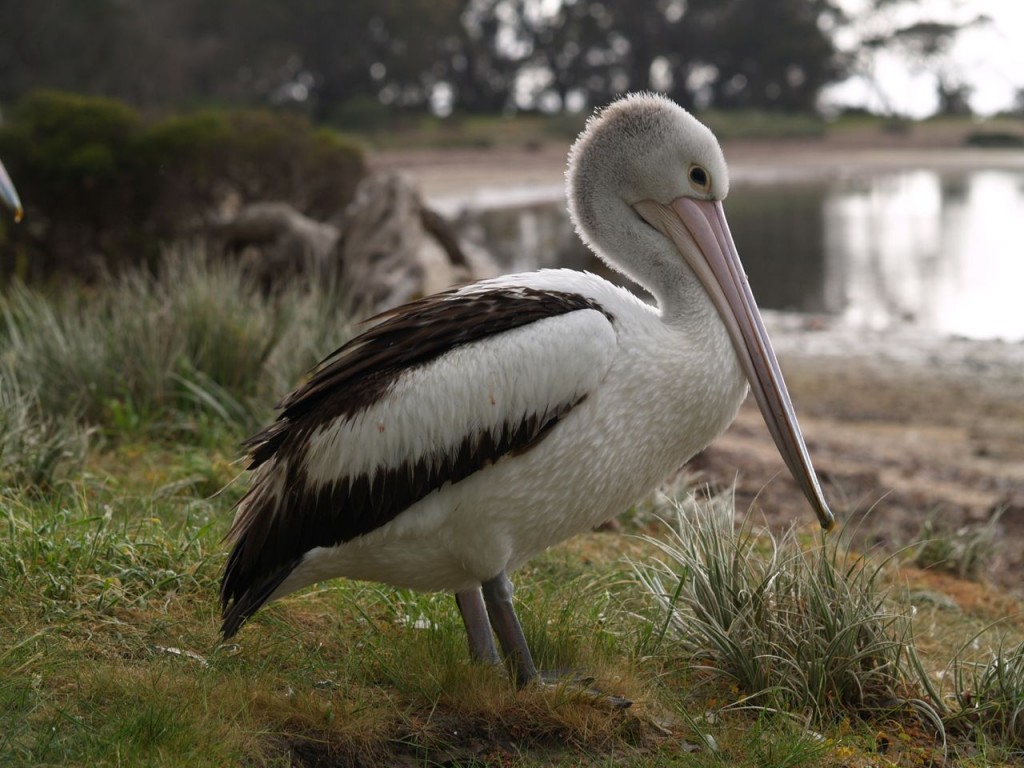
{"points": [[387, 246], [273, 240], [393, 249]]}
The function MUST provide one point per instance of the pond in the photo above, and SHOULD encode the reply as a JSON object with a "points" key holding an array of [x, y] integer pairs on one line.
{"points": [[940, 251]]}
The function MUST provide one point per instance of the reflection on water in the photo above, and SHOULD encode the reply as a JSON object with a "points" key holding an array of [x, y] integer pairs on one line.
{"points": [[943, 252]]}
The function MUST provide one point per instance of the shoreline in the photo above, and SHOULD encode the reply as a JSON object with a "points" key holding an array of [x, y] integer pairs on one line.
{"points": [[468, 173], [993, 363]]}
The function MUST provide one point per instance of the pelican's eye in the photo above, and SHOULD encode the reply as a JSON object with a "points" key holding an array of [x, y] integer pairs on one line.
{"points": [[700, 178]]}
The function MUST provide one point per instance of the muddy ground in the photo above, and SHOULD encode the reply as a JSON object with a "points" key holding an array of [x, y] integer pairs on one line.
{"points": [[902, 427]]}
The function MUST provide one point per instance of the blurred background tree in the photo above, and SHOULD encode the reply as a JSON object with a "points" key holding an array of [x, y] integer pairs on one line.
{"points": [[352, 61]]}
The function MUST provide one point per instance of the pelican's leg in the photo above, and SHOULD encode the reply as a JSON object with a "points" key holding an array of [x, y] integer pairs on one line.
{"points": [[478, 628], [498, 596]]}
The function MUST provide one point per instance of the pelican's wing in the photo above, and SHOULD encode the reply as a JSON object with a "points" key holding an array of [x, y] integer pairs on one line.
{"points": [[436, 391]]}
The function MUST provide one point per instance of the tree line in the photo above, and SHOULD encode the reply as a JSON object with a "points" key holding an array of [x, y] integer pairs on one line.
{"points": [[354, 58]]}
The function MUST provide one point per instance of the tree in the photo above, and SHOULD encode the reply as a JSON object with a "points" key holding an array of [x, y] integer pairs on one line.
{"points": [[924, 43], [325, 56], [702, 52], [763, 54]]}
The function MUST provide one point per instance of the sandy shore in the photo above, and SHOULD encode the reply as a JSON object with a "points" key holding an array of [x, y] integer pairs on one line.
{"points": [[901, 425], [461, 173]]}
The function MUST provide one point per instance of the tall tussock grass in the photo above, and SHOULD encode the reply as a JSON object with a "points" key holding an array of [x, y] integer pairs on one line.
{"points": [[167, 351], [794, 628], [809, 630], [37, 449], [990, 699]]}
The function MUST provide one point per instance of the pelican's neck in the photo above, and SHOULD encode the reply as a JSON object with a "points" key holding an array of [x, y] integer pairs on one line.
{"points": [[624, 241], [640, 148], [655, 264]]}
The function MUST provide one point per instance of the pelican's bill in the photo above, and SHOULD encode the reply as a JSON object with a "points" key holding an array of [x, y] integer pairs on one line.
{"points": [[699, 230], [8, 194]]}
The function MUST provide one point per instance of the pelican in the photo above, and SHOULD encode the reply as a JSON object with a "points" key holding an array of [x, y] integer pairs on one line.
{"points": [[8, 194], [467, 431]]}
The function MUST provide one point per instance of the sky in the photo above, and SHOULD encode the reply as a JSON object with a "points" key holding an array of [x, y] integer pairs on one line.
{"points": [[989, 57]]}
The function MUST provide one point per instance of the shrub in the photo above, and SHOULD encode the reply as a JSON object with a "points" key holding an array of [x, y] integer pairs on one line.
{"points": [[257, 155], [994, 140], [71, 158], [103, 188]]}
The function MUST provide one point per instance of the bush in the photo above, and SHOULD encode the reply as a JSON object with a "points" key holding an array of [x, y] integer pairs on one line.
{"points": [[258, 155], [103, 188], [70, 157]]}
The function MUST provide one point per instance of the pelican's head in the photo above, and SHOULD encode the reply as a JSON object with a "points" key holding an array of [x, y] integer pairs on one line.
{"points": [[645, 185], [8, 194], [643, 146]]}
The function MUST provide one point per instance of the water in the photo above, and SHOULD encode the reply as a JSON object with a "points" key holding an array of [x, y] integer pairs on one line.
{"points": [[939, 251]]}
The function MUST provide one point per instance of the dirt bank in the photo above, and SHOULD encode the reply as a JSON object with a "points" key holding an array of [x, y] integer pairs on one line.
{"points": [[900, 426]]}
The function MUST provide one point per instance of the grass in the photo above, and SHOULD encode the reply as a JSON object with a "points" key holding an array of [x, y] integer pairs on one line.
{"points": [[170, 351], [990, 696], [111, 655], [37, 448], [795, 628], [536, 131], [964, 551], [118, 487], [478, 132], [532, 131], [755, 124]]}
